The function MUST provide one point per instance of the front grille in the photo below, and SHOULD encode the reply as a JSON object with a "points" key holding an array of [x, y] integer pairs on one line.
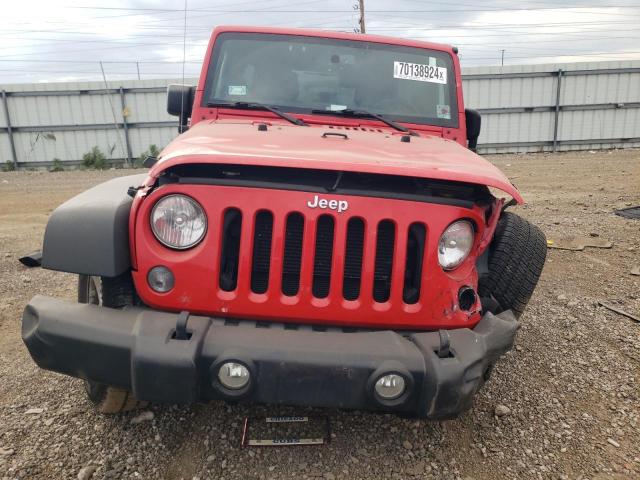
{"points": [[261, 251], [231, 228], [384, 261], [340, 247], [292, 254], [353, 259], [322, 257]]}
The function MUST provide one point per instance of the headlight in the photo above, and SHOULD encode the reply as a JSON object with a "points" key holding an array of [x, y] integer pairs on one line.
{"points": [[178, 221], [455, 244]]}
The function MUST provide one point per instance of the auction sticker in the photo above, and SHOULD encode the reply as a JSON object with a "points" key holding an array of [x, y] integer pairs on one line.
{"points": [[419, 72], [237, 89]]}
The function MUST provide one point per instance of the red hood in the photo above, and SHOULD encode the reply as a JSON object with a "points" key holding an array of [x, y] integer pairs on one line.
{"points": [[371, 150]]}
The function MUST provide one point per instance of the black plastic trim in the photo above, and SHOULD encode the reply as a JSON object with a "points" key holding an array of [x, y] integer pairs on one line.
{"points": [[89, 234], [455, 202], [134, 349]]}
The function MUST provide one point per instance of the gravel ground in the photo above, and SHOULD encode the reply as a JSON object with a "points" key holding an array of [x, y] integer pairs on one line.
{"points": [[563, 404]]}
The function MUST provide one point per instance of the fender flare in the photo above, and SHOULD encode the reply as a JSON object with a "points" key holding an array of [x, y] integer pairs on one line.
{"points": [[89, 234]]}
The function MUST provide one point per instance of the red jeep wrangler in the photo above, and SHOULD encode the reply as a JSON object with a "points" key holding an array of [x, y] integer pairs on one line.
{"points": [[322, 234]]}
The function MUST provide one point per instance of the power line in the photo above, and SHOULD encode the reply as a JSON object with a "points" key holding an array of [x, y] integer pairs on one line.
{"points": [[511, 34], [103, 61], [204, 38], [611, 54], [443, 10], [478, 44], [110, 48], [484, 45], [92, 72], [486, 26], [507, 25]]}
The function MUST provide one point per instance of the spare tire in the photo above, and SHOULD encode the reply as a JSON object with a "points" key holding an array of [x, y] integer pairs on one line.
{"points": [[516, 257]]}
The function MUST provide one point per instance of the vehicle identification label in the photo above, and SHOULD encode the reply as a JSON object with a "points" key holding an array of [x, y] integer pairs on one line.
{"points": [[237, 90], [419, 72], [444, 111]]}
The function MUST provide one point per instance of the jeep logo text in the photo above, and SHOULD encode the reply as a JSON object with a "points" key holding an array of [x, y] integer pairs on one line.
{"points": [[339, 205]]}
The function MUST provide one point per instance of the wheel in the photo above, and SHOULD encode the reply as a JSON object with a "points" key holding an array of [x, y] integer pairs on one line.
{"points": [[115, 292], [516, 257]]}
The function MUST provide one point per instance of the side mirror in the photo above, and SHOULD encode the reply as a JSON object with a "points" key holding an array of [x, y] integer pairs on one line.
{"points": [[180, 104], [473, 121]]}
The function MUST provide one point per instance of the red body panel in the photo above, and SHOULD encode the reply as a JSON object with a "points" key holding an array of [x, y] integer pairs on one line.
{"points": [[374, 150], [197, 270], [228, 136]]}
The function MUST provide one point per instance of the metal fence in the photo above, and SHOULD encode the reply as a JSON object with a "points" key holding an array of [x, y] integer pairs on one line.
{"points": [[579, 106], [63, 121], [524, 108]]}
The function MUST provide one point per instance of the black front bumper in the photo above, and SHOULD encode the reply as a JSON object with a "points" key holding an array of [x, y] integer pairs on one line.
{"points": [[135, 349]]}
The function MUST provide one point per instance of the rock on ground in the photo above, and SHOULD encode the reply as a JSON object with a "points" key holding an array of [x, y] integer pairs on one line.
{"points": [[573, 384]]}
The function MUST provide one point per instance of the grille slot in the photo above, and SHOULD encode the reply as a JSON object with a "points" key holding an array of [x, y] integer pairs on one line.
{"points": [[231, 228], [413, 266], [292, 254], [384, 261], [338, 248], [323, 256], [261, 259], [353, 259]]}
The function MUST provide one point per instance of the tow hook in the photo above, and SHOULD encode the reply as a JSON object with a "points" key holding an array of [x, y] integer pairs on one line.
{"points": [[445, 342], [181, 332]]}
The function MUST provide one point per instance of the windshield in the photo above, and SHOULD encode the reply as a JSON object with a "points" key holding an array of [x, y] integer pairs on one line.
{"points": [[300, 74]]}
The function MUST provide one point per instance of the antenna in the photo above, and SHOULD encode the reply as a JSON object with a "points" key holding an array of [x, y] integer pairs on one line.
{"points": [[360, 7], [113, 112], [184, 60]]}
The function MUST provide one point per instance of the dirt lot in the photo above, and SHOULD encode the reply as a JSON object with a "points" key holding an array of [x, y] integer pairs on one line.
{"points": [[571, 387]]}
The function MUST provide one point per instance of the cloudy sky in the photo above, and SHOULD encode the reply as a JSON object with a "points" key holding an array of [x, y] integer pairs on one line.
{"points": [[62, 40]]}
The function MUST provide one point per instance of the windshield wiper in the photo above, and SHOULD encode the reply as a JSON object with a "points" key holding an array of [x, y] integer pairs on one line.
{"points": [[259, 106], [348, 112]]}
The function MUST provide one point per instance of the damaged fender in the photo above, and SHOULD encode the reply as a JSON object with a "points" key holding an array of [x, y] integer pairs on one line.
{"points": [[89, 234]]}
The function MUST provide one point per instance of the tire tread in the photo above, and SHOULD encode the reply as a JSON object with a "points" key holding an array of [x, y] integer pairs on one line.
{"points": [[517, 256]]}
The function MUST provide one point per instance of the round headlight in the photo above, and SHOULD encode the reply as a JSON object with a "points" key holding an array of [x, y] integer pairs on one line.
{"points": [[455, 244], [178, 221]]}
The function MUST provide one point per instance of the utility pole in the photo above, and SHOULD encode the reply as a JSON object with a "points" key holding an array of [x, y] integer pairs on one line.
{"points": [[502, 61], [361, 7]]}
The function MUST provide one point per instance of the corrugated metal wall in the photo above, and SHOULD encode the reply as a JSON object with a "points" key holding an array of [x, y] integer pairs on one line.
{"points": [[66, 120], [598, 106], [523, 110]]}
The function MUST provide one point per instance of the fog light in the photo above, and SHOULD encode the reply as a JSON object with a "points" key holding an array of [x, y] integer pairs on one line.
{"points": [[233, 376], [391, 386], [161, 279]]}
